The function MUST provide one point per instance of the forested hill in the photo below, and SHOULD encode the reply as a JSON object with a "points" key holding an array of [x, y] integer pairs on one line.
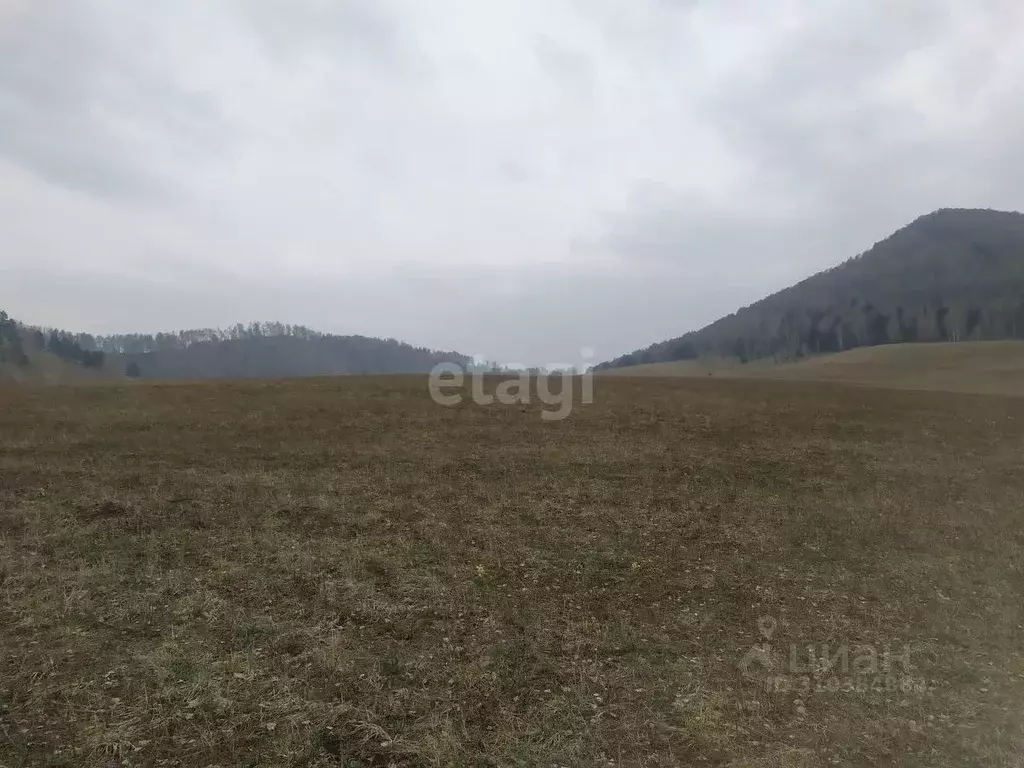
{"points": [[952, 275], [33, 355], [259, 350], [270, 355], [264, 350]]}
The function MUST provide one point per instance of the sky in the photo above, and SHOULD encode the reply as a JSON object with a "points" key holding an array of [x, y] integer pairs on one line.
{"points": [[522, 180]]}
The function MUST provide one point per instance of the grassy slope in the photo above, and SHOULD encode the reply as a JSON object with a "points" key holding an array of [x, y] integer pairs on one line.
{"points": [[341, 572], [994, 367], [46, 368]]}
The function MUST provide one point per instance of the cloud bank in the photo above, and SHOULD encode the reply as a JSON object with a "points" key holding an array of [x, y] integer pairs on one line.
{"points": [[519, 180]]}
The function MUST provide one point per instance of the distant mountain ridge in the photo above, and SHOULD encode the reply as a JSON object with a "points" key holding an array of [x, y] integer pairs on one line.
{"points": [[259, 350], [951, 275]]}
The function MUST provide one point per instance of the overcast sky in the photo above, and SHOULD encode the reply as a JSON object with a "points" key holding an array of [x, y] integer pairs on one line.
{"points": [[519, 179]]}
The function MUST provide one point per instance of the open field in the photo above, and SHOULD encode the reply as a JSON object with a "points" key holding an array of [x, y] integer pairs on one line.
{"points": [[340, 572], [988, 367]]}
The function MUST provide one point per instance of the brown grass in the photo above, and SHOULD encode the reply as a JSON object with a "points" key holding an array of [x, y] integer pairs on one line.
{"points": [[46, 368], [980, 367], [340, 572]]}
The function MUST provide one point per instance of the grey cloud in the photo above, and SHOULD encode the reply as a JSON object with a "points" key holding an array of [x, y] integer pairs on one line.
{"points": [[568, 66], [702, 245], [823, 117], [348, 31], [514, 179], [833, 159], [93, 111]]}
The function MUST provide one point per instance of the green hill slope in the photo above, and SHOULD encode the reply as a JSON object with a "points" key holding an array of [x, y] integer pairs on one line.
{"points": [[985, 367], [949, 276]]}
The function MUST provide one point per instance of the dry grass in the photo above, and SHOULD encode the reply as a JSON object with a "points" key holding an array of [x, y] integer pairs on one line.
{"points": [[48, 369], [982, 367], [340, 572]]}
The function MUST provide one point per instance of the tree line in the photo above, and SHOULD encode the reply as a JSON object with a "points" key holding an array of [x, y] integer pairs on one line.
{"points": [[256, 350], [267, 350], [12, 348], [141, 343], [17, 340]]}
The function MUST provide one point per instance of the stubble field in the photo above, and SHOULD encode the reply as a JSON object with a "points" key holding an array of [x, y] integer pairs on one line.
{"points": [[340, 572]]}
